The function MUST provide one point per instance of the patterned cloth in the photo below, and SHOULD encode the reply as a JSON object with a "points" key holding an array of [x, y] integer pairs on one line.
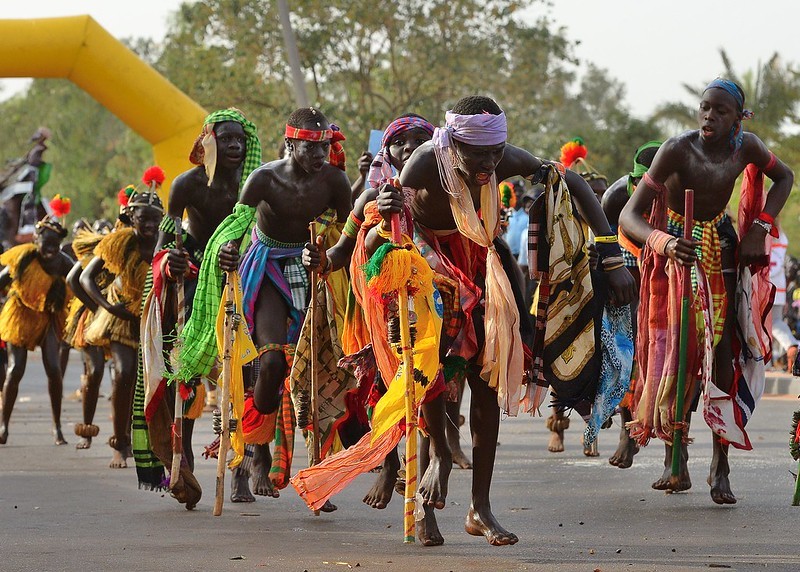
{"points": [[616, 342], [567, 309]]}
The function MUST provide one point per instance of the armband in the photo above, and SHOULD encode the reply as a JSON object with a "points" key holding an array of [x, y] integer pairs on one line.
{"points": [[658, 241]]}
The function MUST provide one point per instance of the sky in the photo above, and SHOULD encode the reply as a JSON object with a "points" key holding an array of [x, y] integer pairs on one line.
{"points": [[651, 47]]}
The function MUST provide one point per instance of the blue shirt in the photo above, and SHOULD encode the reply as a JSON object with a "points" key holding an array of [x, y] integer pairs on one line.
{"points": [[517, 226]]}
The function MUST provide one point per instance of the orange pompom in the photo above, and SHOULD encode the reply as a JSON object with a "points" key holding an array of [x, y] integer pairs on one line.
{"points": [[154, 174], [572, 151], [60, 206]]}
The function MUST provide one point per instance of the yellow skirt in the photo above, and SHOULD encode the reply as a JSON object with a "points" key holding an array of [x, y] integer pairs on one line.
{"points": [[25, 328]]}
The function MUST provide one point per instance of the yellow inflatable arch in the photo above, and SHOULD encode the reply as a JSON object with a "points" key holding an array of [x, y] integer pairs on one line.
{"points": [[79, 49]]}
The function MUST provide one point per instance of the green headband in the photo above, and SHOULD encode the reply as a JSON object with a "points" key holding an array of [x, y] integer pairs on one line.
{"points": [[638, 168], [252, 157]]}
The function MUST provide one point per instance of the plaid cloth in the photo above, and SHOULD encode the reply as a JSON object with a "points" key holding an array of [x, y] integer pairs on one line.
{"points": [[198, 343]]}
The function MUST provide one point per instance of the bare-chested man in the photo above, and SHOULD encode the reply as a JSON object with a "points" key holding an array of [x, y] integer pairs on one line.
{"points": [[454, 177], [286, 195], [226, 152], [707, 160]]}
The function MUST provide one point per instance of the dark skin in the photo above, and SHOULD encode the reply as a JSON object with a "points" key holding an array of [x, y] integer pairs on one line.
{"points": [[399, 148], [145, 221], [431, 208], [206, 207], [614, 200], [288, 194], [55, 263], [702, 160], [93, 359], [357, 188]]}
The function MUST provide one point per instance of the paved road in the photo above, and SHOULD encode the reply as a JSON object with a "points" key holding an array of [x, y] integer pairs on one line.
{"points": [[63, 509]]}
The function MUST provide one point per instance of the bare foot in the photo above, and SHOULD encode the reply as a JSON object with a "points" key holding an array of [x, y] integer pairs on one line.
{"points": [[84, 443], [556, 423], [483, 523], [328, 507], [59, 436], [721, 492], [669, 483], [3, 434], [433, 485], [626, 449], [591, 450], [262, 461], [379, 495], [428, 529], [460, 458], [240, 486], [118, 460]]}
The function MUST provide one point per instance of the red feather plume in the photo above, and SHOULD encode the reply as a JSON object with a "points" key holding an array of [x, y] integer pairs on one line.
{"points": [[571, 151], [124, 195], [60, 206], [154, 174]]}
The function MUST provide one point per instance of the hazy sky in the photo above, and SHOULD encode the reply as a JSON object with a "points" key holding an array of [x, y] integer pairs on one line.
{"points": [[652, 47]]}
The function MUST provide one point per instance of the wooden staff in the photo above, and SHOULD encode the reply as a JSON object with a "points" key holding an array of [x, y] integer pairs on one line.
{"points": [[409, 523], [177, 422], [231, 318], [314, 405], [683, 347]]}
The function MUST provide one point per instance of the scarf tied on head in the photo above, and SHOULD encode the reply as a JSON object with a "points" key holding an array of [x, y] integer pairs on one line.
{"points": [[479, 129], [737, 133], [336, 157], [204, 151], [380, 171]]}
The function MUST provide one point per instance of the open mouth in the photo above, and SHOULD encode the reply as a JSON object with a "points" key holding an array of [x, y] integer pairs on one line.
{"points": [[707, 131], [483, 178]]}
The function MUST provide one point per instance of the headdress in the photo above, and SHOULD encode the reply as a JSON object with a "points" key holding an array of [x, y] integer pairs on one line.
{"points": [[639, 168], [336, 157], [60, 207], [573, 156], [204, 151], [737, 133], [480, 129], [380, 171], [153, 177]]}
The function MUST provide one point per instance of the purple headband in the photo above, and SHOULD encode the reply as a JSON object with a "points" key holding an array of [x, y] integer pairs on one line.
{"points": [[480, 129], [404, 124]]}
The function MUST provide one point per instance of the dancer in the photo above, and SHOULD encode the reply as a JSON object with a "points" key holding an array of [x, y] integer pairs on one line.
{"points": [[732, 292], [34, 314], [125, 253], [225, 153]]}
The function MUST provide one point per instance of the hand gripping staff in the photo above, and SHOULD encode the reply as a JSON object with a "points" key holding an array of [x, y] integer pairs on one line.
{"points": [[177, 423], [314, 405], [686, 302], [232, 319]]}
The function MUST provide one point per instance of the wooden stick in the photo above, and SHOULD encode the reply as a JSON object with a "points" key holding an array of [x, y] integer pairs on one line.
{"points": [[177, 421], [225, 398], [683, 347], [314, 405], [409, 506]]}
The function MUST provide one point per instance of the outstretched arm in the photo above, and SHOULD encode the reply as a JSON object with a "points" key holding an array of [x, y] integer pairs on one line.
{"points": [[73, 280]]}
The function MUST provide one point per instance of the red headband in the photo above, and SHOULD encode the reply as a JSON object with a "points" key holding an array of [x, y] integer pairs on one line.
{"points": [[337, 156]]}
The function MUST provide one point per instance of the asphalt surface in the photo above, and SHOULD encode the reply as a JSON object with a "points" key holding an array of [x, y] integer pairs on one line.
{"points": [[65, 510]]}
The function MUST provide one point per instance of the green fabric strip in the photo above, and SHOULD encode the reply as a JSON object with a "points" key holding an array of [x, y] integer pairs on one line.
{"points": [[199, 344]]}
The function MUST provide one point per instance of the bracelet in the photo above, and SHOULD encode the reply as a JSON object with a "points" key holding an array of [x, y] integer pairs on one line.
{"points": [[612, 260], [382, 232], [763, 224], [614, 267], [351, 228], [658, 241], [610, 239]]}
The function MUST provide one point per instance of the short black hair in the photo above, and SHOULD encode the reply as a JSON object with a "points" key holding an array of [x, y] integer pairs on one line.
{"points": [[646, 156], [475, 105], [303, 116]]}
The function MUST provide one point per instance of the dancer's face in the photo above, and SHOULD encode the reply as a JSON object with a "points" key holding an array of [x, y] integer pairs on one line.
{"points": [[717, 115], [403, 145], [478, 162], [48, 243], [231, 144], [145, 220]]}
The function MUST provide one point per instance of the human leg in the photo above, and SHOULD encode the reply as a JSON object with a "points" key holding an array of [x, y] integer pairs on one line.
{"points": [[452, 425], [557, 423], [435, 470], [270, 329], [627, 447], [484, 425], [124, 358], [17, 359], [51, 347], [93, 364]]}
